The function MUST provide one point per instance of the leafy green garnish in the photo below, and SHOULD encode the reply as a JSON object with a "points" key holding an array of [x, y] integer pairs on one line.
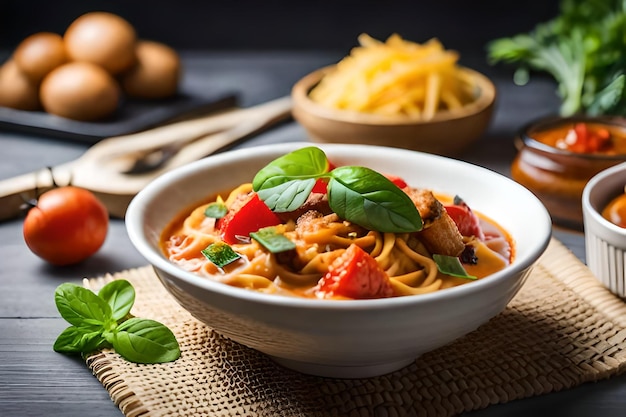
{"points": [[304, 163], [103, 320], [216, 210], [583, 49], [144, 341], [120, 296], [452, 266], [220, 253], [356, 194], [272, 240], [287, 196]]}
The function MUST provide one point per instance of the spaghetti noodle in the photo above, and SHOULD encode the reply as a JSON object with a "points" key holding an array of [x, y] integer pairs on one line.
{"points": [[325, 247]]}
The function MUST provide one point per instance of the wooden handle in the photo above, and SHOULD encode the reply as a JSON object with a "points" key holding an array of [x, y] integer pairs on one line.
{"points": [[256, 120], [183, 131], [98, 169], [16, 191], [109, 177]]}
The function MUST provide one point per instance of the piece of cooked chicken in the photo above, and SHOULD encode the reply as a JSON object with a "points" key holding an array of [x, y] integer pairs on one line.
{"points": [[439, 234]]}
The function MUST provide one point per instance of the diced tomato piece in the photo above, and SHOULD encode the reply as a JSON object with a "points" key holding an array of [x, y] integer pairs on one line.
{"points": [[466, 221], [586, 140], [582, 133], [355, 274], [321, 186], [252, 216], [396, 180], [603, 140]]}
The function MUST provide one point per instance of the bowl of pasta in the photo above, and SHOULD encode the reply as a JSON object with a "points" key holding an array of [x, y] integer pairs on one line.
{"points": [[396, 93], [339, 260]]}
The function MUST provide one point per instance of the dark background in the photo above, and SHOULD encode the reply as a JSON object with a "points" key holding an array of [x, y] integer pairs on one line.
{"points": [[463, 25]]}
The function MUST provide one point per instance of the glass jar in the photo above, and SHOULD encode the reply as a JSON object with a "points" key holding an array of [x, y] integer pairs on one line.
{"points": [[557, 175]]}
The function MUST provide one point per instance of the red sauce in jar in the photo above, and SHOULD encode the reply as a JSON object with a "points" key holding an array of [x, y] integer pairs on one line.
{"points": [[558, 156], [584, 137]]}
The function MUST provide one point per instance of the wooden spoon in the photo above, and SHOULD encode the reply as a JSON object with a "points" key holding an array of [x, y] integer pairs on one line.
{"points": [[103, 168]]}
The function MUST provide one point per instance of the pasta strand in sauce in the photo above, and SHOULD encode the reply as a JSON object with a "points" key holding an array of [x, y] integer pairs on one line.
{"points": [[320, 239]]}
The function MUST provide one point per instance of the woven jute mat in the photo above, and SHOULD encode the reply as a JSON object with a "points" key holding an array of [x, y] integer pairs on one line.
{"points": [[561, 330]]}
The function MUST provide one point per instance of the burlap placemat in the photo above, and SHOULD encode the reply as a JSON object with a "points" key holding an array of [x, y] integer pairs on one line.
{"points": [[563, 329]]}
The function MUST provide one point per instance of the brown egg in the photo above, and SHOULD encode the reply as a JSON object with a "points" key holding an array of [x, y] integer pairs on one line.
{"points": [[80, 91], [155, 75], [17, 90], [102, 38], [39, 54]]}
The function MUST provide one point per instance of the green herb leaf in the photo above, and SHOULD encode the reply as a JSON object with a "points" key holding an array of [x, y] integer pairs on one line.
{"points": [[220, 253], [145, 341], [81, 307], [356, 194], [452, 266], [216, 210], [287, 196], [74, 340], [369, 199], [583, 48], [303, 163], [95, 319], [273, 241], [120, 296]]}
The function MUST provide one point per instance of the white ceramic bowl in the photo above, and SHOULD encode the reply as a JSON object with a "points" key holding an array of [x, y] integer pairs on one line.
{"points": [[605, 242], [352, 338]]}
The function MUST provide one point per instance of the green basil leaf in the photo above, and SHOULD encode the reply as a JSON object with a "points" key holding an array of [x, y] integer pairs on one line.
{"points": [[145, 341], [452, 266], [220, 253], [302, 163], [76, 340], [273, 241], [287, 196], [367, 198], [80, 306], [216, 210], [120, 295], [95, 324]]}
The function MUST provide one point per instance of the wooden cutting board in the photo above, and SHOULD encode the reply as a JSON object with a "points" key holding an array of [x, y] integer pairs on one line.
{"points": [[101, 168]]}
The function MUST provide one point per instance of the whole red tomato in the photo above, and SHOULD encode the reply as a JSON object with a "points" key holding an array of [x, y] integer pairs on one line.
{"points": [[67, 225]]}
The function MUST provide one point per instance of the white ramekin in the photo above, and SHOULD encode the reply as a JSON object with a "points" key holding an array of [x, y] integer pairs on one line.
{"points": [[605, 242]]}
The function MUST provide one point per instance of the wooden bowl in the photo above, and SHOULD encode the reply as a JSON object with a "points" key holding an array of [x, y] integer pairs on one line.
{"points": [[448, 133]]}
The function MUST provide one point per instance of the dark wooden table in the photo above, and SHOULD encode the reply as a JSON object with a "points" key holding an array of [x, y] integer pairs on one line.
{"points": [[36, 381]]}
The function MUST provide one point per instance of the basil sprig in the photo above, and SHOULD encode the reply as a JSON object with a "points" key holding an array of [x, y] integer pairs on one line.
{"points": [[103, 320], [452, 266], [357, 194]]}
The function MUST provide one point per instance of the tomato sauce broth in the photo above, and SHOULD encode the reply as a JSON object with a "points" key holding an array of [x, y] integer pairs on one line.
{"points": [[497, 252]]}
